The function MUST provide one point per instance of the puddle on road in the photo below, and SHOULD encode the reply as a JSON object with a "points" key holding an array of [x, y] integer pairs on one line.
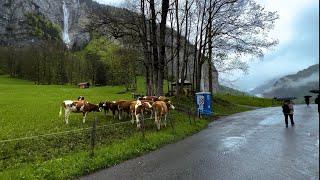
{"points": [[232, 143], [271, 121]]}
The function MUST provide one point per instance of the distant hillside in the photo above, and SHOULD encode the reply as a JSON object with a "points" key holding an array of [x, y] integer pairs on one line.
{"points": [[297, 85], [225, 89]]}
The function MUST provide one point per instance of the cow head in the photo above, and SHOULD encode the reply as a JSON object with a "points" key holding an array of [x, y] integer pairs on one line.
{"points": [[147, 105], [96, 108], [104, 105], [169, 105], [139, 103]]}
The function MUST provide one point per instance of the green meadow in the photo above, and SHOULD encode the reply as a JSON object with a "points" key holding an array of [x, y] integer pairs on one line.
{"points": [[32, 110]]}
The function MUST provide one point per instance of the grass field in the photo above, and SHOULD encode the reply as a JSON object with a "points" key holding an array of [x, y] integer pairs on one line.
{"points": [[31, 110]]}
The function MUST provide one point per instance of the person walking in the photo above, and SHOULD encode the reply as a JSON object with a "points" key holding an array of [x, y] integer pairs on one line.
{"points": [[307, 99], [287, 109]]}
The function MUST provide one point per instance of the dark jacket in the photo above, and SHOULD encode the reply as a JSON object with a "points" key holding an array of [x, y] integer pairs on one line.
{"points": [[287, 108]]}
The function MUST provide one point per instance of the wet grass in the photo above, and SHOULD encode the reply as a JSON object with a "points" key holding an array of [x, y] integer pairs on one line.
{"points": [[31, 110]]}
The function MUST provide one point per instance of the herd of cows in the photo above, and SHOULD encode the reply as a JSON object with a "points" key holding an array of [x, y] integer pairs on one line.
{"points": [[157, 106]]}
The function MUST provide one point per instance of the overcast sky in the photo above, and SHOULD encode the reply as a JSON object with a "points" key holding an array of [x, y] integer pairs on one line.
{"points": [[298, 33]]}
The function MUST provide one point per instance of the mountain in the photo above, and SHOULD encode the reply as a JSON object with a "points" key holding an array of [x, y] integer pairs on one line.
{"points": [[70, 16], [23, 21], [229, 90], [297, 85]]}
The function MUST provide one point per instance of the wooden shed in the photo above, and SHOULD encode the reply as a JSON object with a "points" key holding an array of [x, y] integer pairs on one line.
{"points": [[84, 85], [187, 87]]}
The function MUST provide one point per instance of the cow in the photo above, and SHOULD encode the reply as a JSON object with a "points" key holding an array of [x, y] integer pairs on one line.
{"points": [[137, 108], [160, 109], [163, 98], [147, 106], [109, 105], [71, 106], [123, 106], [150, 98]]}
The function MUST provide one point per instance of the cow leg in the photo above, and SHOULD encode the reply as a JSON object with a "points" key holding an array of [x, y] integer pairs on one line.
{"points": [[156, 119], [132, 118], [66, 115], [138, 121], [151, 114], [84, 117], [120, 113], [159, 122]]}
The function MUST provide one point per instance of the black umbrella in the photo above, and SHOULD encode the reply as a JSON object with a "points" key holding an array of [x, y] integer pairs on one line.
{"points": [[285, 98], [316, 91], [307, 96]]}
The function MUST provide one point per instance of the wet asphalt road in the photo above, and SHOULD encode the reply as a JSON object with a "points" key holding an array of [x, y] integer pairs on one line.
{"points": [[249, 145]]}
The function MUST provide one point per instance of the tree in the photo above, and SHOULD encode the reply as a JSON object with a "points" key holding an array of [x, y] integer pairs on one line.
{"points": [[164, 12]]}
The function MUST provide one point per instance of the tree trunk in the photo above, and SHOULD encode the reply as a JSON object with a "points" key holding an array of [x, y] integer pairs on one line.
{"points": [[164, 12], [178, 47], [199, 57], [210, 48], [195, 55], [184, 64], [154, 42]]}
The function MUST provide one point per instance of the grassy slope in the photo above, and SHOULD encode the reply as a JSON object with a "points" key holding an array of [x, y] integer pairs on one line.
{"points": [[28, 110]]}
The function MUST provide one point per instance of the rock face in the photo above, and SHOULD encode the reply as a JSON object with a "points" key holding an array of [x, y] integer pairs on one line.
{"points": [[72, 16], [14, 27]]}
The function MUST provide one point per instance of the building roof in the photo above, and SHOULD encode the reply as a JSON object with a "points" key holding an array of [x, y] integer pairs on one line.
{"points": [[83, 83], [186, 82]]}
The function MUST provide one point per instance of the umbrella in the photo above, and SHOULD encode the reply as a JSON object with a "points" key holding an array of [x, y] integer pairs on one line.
{"points": [[316, 91], [285, 98], [307, 96]]}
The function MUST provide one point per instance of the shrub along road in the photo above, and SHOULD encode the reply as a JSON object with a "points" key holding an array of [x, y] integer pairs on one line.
{"points": [[249, 145]]}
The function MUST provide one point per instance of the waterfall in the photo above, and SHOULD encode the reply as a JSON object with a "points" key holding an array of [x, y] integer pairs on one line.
{"points": [[65, 34]]}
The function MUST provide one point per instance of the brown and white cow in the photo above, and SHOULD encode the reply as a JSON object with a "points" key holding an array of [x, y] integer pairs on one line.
{"points": [[163, 98], [160, 110], [110, 105], [147, 106], [150, 98], [77, 107], [136, 109], [123, 106]]}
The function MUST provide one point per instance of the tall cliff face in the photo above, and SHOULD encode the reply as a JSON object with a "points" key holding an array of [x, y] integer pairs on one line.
{"points": [[70, 15]]}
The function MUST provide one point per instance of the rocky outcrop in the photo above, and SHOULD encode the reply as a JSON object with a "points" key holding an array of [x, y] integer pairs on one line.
{"points": [[15, 29], [72, 16]]}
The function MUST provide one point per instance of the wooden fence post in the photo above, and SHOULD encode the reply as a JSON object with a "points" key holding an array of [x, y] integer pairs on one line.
{"points": [[93, 135]]}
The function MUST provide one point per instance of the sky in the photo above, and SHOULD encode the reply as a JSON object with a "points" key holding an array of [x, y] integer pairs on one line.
{"points": [[298, 33], [297, 30]]}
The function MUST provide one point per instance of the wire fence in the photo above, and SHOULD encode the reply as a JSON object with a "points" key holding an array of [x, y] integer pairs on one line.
{"points": [[48, 146]]}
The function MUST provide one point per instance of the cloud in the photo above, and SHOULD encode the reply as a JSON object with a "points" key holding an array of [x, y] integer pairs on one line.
{"points": [[289, 83], [298, 48], [298, 33]]}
